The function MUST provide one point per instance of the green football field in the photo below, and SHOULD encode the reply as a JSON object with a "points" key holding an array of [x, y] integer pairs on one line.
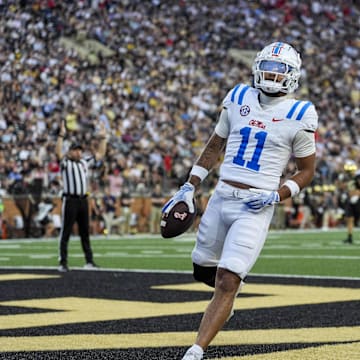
{"points": [[311, 253]]}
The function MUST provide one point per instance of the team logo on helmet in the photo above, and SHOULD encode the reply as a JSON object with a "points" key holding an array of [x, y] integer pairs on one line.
{"points": [[276, 50], [244, 110]]}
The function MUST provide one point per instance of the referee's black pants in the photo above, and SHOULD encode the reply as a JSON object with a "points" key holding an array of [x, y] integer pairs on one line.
{"points": [[75, 209]]}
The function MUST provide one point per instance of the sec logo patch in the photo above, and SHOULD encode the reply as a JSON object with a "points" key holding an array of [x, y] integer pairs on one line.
{"points": [[244, 110]]}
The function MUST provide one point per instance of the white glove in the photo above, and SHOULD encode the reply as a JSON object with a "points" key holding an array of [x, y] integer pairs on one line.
{"points": [[262, 198], [186, 194]]}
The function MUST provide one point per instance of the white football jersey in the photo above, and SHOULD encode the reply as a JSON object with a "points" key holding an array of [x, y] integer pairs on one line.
{"points": [[260, 140]]}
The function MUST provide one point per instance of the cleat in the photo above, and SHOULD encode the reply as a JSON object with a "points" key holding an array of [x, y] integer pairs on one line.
{"points": [[193, 353], [232, 312], [90, 266], [63, 268]]}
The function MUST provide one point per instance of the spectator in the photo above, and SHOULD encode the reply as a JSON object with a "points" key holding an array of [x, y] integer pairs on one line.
{"points": [[111, 211], [352, 213], [136, 88], [157, 202]]}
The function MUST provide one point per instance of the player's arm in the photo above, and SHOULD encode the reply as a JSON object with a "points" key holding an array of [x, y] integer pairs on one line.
{"points": [[206, 161], [302, 178], [304, 151], [210, 154], [208, 158]]}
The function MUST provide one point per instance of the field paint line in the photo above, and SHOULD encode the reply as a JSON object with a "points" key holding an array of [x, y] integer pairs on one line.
{"points": [[323, 277], [181, 238], [40, 256], [10, 246], [304, 247], [29, 254], [167, 271], [321, 257], [159, 253], [142, 255], [170, 339], [155, 252], [345, 350]]}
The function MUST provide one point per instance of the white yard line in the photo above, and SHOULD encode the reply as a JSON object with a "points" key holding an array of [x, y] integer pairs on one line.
{"points": [[320, 257], [179, 272], [156, 253]]}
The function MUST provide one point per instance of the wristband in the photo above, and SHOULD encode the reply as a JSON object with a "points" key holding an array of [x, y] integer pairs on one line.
{"points": [[199, 171], [293, 187], [61, 136]]}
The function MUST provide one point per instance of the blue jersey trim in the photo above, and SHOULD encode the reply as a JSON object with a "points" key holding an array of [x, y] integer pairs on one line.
{"points": [[242, 94], [234, 92], [303, 109], [292, 110]]}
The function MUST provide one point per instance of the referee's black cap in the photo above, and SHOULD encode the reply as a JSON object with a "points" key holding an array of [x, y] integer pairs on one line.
{"points": [[75, 146]]}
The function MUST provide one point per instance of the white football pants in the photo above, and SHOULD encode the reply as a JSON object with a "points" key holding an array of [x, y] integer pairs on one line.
{"points": [[229, 235]]}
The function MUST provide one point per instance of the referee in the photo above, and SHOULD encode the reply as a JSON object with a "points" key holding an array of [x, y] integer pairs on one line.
{"points": [[74, 172]]}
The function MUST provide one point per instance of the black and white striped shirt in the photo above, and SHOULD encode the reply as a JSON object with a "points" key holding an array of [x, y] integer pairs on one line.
{"points": [[74, 175]]}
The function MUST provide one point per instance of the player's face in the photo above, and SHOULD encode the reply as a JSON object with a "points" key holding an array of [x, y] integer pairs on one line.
{"points": [[273, 77], [273, 70]]}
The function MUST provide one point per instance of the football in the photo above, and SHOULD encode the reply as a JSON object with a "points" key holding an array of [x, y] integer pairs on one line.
{"points": [[177, 221]]}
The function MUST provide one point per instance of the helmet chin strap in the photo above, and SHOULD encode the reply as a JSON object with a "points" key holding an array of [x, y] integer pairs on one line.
{"points": [[270, 99], [277, 94]]}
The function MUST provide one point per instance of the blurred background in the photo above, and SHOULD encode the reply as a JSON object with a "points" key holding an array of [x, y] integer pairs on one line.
{"points": [[155, 72]]}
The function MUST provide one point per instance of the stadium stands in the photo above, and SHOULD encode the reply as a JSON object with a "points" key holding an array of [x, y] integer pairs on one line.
{"points": [[156, 78]]}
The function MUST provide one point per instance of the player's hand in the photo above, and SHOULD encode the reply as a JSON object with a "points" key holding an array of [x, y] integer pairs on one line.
{"points": [[261, 199], [186, 194]]}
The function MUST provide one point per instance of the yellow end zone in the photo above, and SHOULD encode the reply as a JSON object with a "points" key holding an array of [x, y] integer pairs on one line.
{"points": [[124, 341], [70, 310], [15, 276], [326, 352]]}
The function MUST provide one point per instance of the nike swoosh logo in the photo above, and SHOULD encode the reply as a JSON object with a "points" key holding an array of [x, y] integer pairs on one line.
{"points": [[277, 120]]}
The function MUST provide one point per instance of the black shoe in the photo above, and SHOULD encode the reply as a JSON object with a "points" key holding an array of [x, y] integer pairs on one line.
{"points": [[347, 241], [63, 268]]}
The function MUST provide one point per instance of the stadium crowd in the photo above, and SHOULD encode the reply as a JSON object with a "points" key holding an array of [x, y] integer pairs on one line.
{"points": [[158, 91]]}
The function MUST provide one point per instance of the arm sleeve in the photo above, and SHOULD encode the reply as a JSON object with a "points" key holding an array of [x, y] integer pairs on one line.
{"points": [[223, 126], [304, 144]]}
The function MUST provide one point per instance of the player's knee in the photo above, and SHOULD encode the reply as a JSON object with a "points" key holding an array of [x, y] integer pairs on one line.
{"points": [[236, 266], [205, 274], [227, 281]]}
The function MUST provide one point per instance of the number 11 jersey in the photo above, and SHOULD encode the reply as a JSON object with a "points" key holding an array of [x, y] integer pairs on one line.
{"points": [[261, 137]]}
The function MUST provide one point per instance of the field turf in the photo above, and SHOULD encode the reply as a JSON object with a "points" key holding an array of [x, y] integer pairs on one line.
{"points": [[301, 301], [311, 253]]}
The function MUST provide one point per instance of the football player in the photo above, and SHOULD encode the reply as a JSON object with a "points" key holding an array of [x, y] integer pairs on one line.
{"points": [[261, 127]]}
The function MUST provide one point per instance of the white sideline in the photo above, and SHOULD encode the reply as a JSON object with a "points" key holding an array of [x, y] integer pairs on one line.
{"points": [[178, 272]]}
